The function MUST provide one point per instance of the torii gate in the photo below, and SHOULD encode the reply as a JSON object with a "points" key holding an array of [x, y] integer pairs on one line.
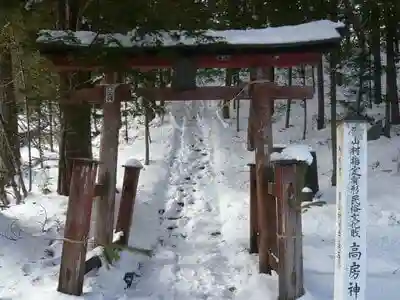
{"points": [[186, 59]]}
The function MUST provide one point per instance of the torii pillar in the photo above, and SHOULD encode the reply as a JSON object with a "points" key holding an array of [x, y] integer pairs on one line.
{"points": [[260, 124], [109, 95]]}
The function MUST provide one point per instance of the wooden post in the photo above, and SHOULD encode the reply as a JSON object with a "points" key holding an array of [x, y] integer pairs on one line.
{"points": [[77, 227], [271, 216], [105, 204], [263, 96], [351, 203], [128, 196], [262, 131], [253, 210], [289, 180]]}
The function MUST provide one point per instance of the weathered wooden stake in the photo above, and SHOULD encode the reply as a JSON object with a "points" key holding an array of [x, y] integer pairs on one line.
{"points": [[77, 226], [289, 181], [105, 204], [271, 215], [253, 210], [128, 196]]}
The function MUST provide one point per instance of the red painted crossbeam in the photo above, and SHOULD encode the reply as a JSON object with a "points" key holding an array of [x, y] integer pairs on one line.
{"points": [[148, 62], [96, 95]]}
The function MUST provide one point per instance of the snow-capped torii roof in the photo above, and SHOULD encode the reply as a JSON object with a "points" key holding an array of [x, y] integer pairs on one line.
{"points": [[266, 40]]}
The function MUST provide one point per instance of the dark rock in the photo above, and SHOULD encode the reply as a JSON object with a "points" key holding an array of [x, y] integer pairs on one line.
{"points": [[232, 289], [375, 131], [93, 263]]}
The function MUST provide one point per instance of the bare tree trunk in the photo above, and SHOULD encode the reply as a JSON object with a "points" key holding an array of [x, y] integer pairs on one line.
{"points": [[28, 117], [313, 77], [303, 74], [39, 138], [75, 141], [9, 106], [386, 129], [289, 101], [10, 152], [226, 102], [321, 95], [146, 131], [236, 82], [125, 115], [162, 81], [362, 69], [370, 67], [391, 72], [51, 133], [75, 127], [332, 92]]}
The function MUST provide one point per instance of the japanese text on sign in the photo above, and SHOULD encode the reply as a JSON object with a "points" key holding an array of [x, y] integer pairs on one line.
{"points": [[354, 251], [110, 93]]}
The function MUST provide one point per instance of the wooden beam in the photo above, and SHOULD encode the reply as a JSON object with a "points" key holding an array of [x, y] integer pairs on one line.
{"points": [[123, 92], [64, 63], [291, 92], [200, 93], [96, 95]]}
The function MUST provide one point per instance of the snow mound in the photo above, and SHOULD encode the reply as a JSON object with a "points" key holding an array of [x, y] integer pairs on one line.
{"points": [[294, 152], [134, 163]]}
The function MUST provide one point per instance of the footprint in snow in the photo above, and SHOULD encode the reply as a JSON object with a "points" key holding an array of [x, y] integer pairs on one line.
{"points": [[172, 227], [215, 233], [26, 269], [37, 280], [208, 207]]}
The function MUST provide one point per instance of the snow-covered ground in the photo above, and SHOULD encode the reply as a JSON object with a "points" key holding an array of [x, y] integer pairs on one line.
{"points": [[192, 210]]}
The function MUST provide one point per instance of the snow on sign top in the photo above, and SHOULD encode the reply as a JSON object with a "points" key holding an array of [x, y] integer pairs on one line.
{"points": [[294, 152], [303, 33]]}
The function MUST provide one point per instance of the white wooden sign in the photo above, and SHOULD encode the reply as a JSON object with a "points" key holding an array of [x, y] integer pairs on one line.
{"points": [[110, 93], [351, 244]]}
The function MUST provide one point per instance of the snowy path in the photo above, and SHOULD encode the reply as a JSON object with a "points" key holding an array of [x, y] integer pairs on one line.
{"points": [[193, 260]]}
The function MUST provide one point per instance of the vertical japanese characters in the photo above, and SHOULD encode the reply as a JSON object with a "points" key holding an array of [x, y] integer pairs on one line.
{"points": [[355, 239], [350, 258]]}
